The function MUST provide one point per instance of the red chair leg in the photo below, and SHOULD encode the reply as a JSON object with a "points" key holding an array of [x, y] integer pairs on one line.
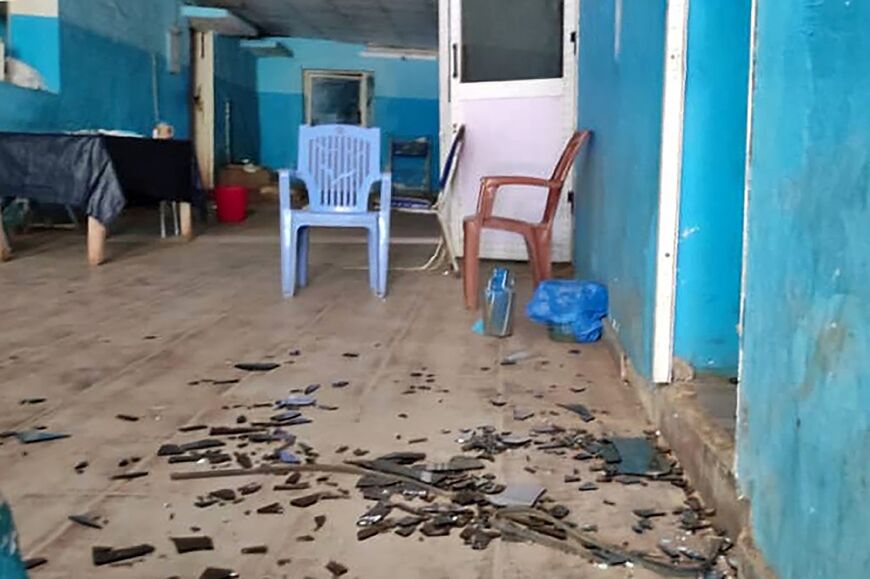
{"points": [[534, 258], [546, 266], [471, 264], [545, 248]]}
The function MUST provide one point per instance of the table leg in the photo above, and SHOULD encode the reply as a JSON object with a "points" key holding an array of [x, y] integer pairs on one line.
{"points": [[163, 220], [96, 242], [5, 248], [186, 218]]}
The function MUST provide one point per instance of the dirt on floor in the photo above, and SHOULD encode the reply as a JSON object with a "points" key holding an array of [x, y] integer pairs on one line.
{"points": [[137, 359]]}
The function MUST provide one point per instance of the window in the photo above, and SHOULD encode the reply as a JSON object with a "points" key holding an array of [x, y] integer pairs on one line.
{"points": [[505, 40], [338, 97]]}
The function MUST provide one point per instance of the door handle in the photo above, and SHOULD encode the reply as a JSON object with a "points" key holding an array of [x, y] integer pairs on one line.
{"points": [[455, 60]]}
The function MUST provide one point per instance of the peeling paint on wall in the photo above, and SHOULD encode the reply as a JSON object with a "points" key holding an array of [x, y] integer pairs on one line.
{"points": [[804, 431]]}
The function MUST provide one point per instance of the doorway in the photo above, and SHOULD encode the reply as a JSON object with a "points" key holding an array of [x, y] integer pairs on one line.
{"points": [[516, 94], [338, 97]]}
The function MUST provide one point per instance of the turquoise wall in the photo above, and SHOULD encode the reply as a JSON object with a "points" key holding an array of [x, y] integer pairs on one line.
{"points": [[616, 199], [105, 76], [405, 101], [711, 203], [236, 84], [104, 55], [804, 432], [35, 40]]}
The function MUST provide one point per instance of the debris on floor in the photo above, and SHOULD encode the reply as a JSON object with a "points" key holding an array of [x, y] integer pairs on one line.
{"points": [[638, 456], [412, 494], [217, 573], [86, 521], [517, 357], [34, 563], [33, 436], [257, 366], [337, 569], [460, 494], [580, 410], [192, 544], [516, 495], [31, 401], [108, 555]]}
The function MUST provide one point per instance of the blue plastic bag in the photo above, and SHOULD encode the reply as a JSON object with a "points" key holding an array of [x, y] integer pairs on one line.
{"points": [[580, 305]]}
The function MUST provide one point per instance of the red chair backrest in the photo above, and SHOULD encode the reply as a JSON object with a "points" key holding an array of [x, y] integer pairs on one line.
{"points": [[560, 173]]}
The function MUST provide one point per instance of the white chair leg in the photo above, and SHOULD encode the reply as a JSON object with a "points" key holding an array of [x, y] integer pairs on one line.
{"points": [[383, 256], [373, 249], [288, 257]]}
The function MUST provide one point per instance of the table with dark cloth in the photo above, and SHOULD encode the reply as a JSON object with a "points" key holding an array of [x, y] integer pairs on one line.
{"points": [[99, 174]]}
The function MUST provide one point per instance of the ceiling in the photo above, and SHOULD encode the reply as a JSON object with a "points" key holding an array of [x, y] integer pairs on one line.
{"points": [[398, 23]]}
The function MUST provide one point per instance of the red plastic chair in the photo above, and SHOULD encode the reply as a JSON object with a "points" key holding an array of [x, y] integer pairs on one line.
{"points": [[538, 236]]}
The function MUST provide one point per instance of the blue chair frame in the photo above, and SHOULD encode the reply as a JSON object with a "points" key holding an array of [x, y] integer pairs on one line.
{"points": [[339, 164]]}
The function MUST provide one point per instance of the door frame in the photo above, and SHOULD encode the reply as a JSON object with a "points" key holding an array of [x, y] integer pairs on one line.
{"points": [[670, 183], [203, 103], [453, 90], [364, 76]]}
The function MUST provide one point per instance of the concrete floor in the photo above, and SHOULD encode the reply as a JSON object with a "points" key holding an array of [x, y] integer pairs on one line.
{"points": [[718, 399], [131, 336]]}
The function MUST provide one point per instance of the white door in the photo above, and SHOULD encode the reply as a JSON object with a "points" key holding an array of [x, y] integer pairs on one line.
{"points": [[202, 59], [511, 68]]}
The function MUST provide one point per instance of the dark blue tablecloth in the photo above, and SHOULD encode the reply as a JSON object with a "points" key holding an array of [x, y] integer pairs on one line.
{"points": [[99, 174]]}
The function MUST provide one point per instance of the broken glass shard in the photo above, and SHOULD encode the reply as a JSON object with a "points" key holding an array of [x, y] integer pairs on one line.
{"points": [[524, 494], [32, 436], [296, 402], [257, 366], [580, 410]]}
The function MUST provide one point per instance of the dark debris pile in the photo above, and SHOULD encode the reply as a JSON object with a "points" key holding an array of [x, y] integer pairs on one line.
{"points": [[411, 496]]}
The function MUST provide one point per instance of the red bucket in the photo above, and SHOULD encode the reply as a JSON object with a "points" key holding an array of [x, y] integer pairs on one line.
{"points": [[232, 203]]}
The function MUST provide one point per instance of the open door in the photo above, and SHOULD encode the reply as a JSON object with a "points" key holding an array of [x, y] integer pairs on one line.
{"points": [[202, 62], [511, 80]]}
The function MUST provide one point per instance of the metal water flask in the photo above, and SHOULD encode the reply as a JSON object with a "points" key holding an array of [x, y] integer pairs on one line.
{"points": [[498, 303]]}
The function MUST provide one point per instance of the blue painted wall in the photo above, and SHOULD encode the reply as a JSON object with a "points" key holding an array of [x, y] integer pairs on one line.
{"points": [[616, 199], [35, 40], [711, 205], [106, 53], [236, 84], [804, 432], [405, 100]]}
